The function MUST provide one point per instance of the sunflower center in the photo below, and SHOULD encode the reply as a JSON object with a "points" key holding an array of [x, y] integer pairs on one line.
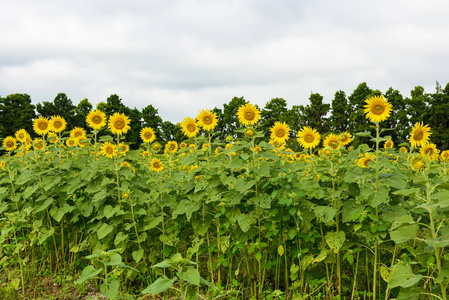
{"points": [[429, 151], [280, 132], [172, 147], [418, 164], [109, 150], [365, 163], [78, 133], [96, 120], [156, 165], [10, 144], [148, 135], [333, 145], [207, 120], [309, 138], [418, 135], [57, 124], [21, 136], [378, 109], [42, 126], [249, 115], [156, 147], [119, 124], [191, 128]]}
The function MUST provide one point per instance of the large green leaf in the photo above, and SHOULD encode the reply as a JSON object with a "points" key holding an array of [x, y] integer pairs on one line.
{"points": [[335, 240], [88, 272], [403, 276], [161, 284], [111, 290], [104, 230], [191, 275]]}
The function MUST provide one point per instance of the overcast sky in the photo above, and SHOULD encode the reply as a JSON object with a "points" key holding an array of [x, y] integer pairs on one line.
{"points": [[186, 55]]}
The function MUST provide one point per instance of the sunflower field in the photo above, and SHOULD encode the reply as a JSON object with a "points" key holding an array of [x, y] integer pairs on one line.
{"points": [[239, 219]]}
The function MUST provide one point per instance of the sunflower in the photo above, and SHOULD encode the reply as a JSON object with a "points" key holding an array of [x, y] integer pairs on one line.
{"points": [[147, 135], [388, 144], [41, 125], [119, 124], [57, 124], [156, 165], [81, 141], [125, 164], [156, 147], [146, 153], [109, 150], [2, 164], [420, 135], [403, 150], [71, 142], [52, 137], [123, 148], [171, 146], [21, 135], [418, 163], [377, 108], [189, 127], [279, 132], [207, 119], [10, 143], [429, 151], [345, 138], [327, 151], [249, 132], [444, 156], [365, 159], [248, 114], [183, 145], [96, 119], [332, 141], [77, 132], [308, 137], [39, 144], [257, 149]]}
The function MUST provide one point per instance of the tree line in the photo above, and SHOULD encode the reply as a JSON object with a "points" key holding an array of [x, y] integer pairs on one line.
{"points": [[344, 113]]}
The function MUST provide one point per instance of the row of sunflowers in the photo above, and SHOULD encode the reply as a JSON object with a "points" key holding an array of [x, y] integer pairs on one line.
{"points": [[256, 220]]}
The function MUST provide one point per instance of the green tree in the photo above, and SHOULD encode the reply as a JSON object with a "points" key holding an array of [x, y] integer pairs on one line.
{"points": [[398, 120], [229, 122], [314, 114], [417, 106], [16, 113], [151, 118], [171, 132], [357, 120], [341, 110], [274, 110], [61, 106], [438, 116], [81, 111]]}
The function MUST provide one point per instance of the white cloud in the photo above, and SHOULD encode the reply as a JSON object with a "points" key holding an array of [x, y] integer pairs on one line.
{"points": [[182, 56]]}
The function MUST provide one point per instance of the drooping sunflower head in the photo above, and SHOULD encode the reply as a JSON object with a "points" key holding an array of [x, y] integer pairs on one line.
{"points": [[57, 124], [10, 143], [332, 141], [364, 160], [249, 132], [403, 150], [21, 135], [429, 151], [444, 156], [119, 124], [52, 138], [123, 148], [207, 119], [280, 132], [189, 127], [248, 114], [96, 119], [308, 137], [38, 144], [156, 165], [388, 144], [125, 164], [41, 125], [147, 135], [420, 135], [345, 138], [171, 146], [77, 132], [418, 163], [377, 108], [109, 150]]}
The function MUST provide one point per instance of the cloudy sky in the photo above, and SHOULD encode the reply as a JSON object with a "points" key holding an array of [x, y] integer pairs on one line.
{"points": [[185, 55]]}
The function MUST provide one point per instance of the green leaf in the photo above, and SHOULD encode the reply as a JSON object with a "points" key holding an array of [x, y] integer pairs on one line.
{"points": [[363, 134], [110, 211], [403, 276], [245, 221], [88, 272], [114, 260], [262, 201], [44, 205], [160, 285], [104, 230], [112, 290], [137, 255], [407, 192], [335, 240], [325, 213], [191, 275], [405, 229]]}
